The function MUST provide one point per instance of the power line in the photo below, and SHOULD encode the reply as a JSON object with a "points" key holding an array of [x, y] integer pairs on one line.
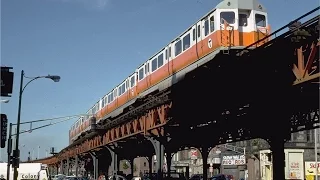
{"points": [[50, 119]]}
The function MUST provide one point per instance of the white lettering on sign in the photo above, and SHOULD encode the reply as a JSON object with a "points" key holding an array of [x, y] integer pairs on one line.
{"points": [[234, 160]]}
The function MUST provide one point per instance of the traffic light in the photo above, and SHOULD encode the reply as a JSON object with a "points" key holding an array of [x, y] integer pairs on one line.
{"points": [[3, 128]]}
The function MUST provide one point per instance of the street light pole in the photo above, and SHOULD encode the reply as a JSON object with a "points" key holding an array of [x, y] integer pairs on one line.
{"points": [[9, 149], [16, 152]]}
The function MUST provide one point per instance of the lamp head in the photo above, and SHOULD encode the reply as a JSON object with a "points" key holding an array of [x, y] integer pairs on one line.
{"points": [[53, 77], [4, 100]]}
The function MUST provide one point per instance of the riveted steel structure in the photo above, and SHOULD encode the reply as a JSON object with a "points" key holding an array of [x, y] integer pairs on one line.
{"points": [[232, 110]]}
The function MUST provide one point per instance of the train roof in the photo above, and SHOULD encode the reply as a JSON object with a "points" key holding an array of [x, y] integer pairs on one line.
{"points": [[241, 4], [224, 4]]}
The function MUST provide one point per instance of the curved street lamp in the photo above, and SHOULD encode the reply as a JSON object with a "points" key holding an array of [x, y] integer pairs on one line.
{"points": [[16, 152], [5, 100]]}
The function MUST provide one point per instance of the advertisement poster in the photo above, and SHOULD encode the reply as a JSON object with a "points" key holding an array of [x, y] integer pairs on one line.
{"points": [[310, 167]]}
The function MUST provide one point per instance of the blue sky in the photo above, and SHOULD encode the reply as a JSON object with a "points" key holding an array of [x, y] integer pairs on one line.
{"points": [[93, 45]]}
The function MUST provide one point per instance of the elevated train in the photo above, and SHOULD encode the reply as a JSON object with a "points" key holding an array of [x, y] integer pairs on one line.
{"points": [[232, 24]]}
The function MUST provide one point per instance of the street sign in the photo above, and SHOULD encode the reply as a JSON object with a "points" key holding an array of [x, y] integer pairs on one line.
{"points": [[3, 128], [6, 81]]}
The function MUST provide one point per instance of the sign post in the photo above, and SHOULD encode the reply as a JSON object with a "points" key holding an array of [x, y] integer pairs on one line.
{"points": [[3, 127]]}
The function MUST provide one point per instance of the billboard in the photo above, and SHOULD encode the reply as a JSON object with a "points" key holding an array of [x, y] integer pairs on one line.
{"points": [[6, 81], [234, 160]]}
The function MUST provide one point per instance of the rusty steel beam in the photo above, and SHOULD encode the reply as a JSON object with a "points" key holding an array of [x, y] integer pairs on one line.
{"points": [[50, 160], [307, 67], [150, 123]]}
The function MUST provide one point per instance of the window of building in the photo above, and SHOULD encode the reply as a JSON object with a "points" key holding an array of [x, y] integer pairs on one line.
{"points": [[144, 164]]}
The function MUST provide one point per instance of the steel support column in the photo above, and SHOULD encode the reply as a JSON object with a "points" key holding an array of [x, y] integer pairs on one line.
{"points": [[204, 153], [149, 159], [62, 167], [278, 158], [168, 159], [159, 150], [95, 164], [76, 164], [114, 159], [68, 167]]}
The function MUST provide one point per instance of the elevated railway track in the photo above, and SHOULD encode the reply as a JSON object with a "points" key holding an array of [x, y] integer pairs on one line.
{"points": [[153, 112]]}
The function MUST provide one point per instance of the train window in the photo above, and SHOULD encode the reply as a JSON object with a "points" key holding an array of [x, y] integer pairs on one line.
{"points": [[243, 20], [199, 32], [109, 98], [141, 74], [154, 64], [166, 54], [114, 93], [193, 34], [211, 23], [106, 100], [102, 101], [169, 51], [146, 67], [228, 16], [206, 27], [123, 88], [127, 84], [178, 48], [160, 60], [119, 90], [260, 20], [132, 81], [186, 42]]}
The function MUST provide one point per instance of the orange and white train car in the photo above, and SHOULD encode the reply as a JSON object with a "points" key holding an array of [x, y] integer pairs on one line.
{"points": [[232, 24]]}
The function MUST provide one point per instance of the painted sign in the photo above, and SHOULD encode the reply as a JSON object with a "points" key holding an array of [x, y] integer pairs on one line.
{"points": [[310, 168], [193, 154], [295, 170], [28, 176], [233, 160]]}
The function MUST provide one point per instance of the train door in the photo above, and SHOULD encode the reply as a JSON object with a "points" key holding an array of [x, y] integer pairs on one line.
{"points": [[133, 88], [147, 72], [245, 28], [141, 80], [227, 25], [115, 95], [260, 25], [170, 58], [199, 44]]}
